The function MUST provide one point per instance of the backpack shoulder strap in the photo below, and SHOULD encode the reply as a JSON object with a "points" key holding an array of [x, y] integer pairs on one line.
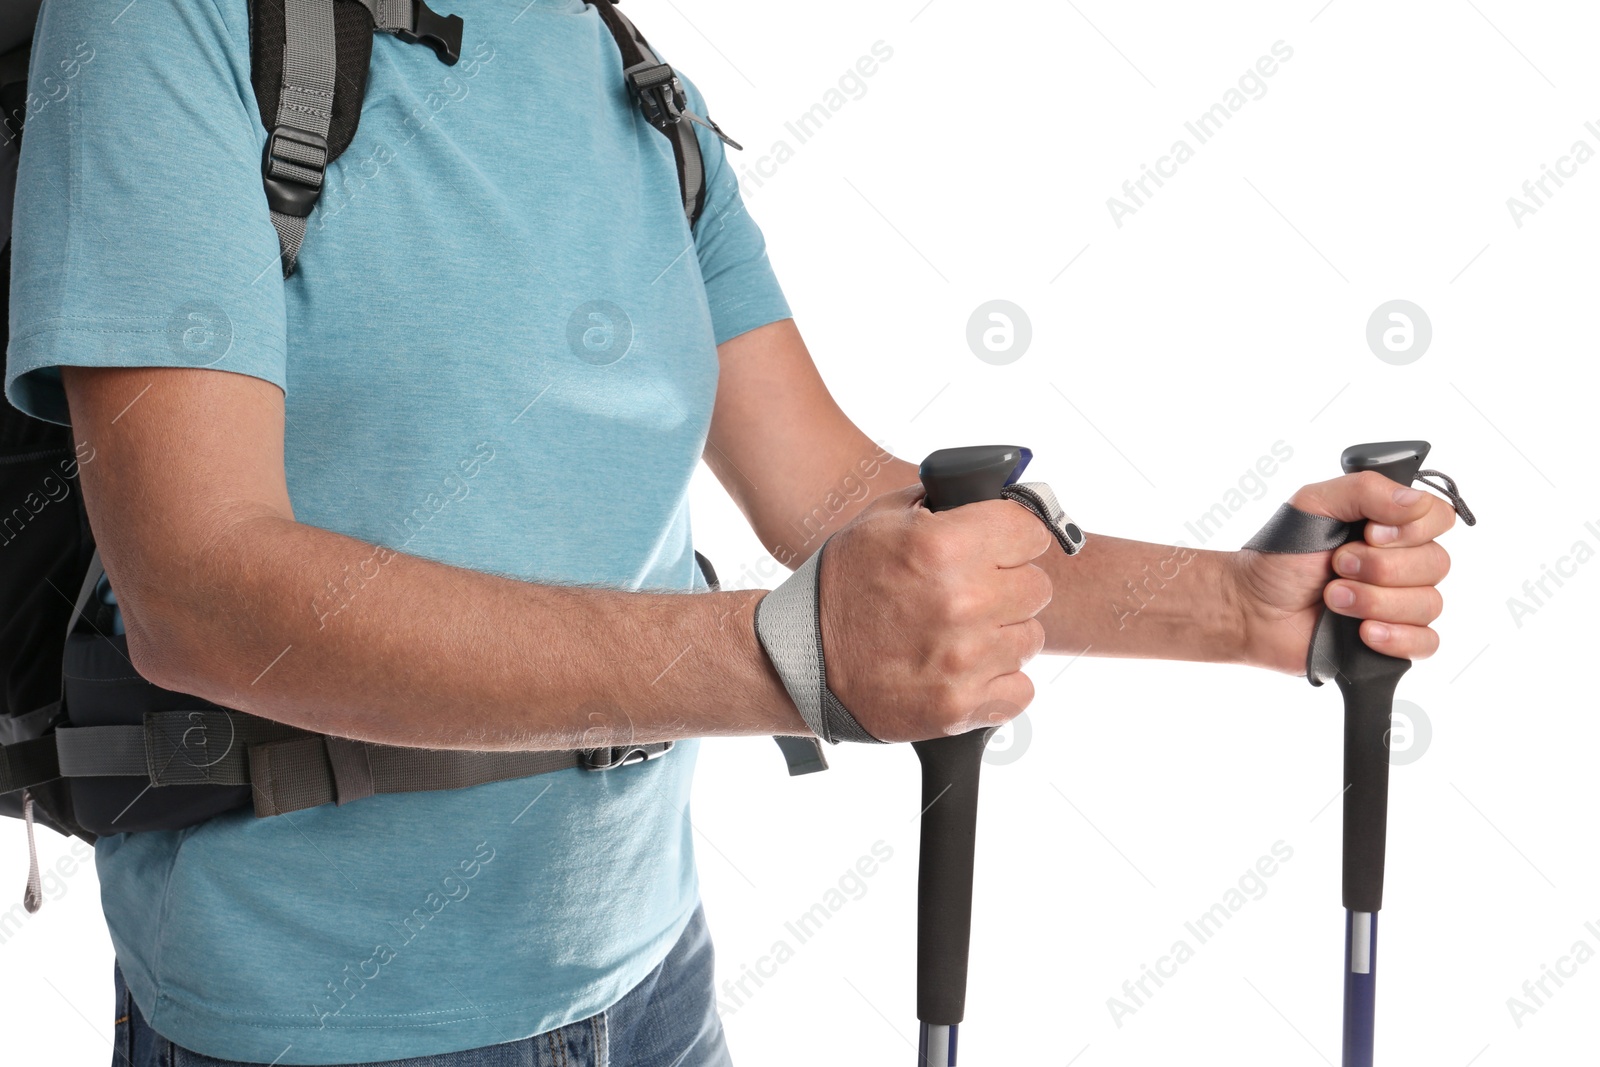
{"points": [[309, 61], [666, 107]]}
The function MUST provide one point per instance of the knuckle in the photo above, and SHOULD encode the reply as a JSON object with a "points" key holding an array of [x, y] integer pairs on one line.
{"points": [[957, 604], [1445, 510], [1025, 692], [946, 708], [1376, 567], [958, 659], [1033, 536], [930, 548], [1042, 589], [1025, 525], [1442, 561], [1357, 605], [1034, 631], [961, 709], [1373, 484]]}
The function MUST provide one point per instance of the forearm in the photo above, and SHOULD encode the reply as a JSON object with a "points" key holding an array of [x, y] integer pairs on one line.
{"points": [[419, 653], [1139, 600]]}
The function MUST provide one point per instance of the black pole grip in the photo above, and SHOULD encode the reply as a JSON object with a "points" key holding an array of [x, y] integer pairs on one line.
{"points": [[952, 477], [950, 774], [1367, 678]]}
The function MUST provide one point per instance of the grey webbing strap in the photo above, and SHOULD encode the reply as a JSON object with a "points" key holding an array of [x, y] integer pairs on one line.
{"points": [[86, 751], [391, 15], [305, 105], [289, 769], [691, 167], [307, 772], [1291, 530], [352, 769], [802, 754], [788, 626], [202, 746], [417, 23], [1040, 499]]}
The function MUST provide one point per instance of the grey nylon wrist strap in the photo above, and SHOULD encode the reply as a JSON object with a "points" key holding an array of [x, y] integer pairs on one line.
{"points": [[788, 624], [789, 627]]}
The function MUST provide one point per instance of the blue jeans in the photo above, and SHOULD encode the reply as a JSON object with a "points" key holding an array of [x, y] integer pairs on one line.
{"points": [[668, 1020]]}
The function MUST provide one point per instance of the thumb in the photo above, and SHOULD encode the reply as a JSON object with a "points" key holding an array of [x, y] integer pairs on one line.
{"points": [[1364, 495]]}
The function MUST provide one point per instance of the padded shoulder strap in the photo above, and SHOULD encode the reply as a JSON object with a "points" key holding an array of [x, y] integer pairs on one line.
{"points": [[309, 62]]}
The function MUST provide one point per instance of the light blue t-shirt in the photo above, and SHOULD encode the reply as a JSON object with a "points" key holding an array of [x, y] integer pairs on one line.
{"points": [[499, 352]]}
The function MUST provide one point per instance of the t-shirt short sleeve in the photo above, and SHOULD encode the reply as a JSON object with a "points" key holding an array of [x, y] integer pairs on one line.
{"points": [[141, 236], [741, 288]]}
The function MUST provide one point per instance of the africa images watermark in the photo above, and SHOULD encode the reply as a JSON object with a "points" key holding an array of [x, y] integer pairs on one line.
{"points": [[851, 885], [54, 90], [850, 85], [849, 490], [452, 886], [1536, 192], [53, 879], [336, 596], [1202, 128], [354, 177], [1250, 485], [1536, 992], [1536, 592], [1251, 885], [53, 488]]}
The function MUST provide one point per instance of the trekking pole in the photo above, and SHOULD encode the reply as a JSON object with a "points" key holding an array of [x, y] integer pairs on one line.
{"points": [[950, 767], [1367, 680]]}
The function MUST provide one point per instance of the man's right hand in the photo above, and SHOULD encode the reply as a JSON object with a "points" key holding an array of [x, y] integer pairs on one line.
{"points": [[928, 617]]}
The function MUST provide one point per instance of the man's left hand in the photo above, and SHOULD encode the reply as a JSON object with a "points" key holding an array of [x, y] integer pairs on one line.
{"points": [[1388, 579]]}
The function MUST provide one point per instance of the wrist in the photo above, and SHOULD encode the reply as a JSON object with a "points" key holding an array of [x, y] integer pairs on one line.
{"points": [[1236, 636], [762, 689]]}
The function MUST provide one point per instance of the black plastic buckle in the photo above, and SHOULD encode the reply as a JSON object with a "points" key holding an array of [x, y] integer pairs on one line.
{"points": [[442, 33], [605, 759], [287, 194], [660, 93]]}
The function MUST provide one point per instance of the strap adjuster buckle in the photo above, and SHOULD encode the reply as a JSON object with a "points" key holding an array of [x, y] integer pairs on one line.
{"points": [[614, 756], [292, 165], [660, 93], [442, 33]]}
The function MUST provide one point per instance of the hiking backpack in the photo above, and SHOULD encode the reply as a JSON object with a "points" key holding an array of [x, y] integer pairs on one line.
{"points": [[87, 746]]}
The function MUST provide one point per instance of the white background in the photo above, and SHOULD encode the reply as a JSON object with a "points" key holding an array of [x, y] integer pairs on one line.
{"points": [[1229, 313]]}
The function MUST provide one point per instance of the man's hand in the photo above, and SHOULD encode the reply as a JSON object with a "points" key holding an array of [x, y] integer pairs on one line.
{"points": [[1387, 580], [928, 618]]}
